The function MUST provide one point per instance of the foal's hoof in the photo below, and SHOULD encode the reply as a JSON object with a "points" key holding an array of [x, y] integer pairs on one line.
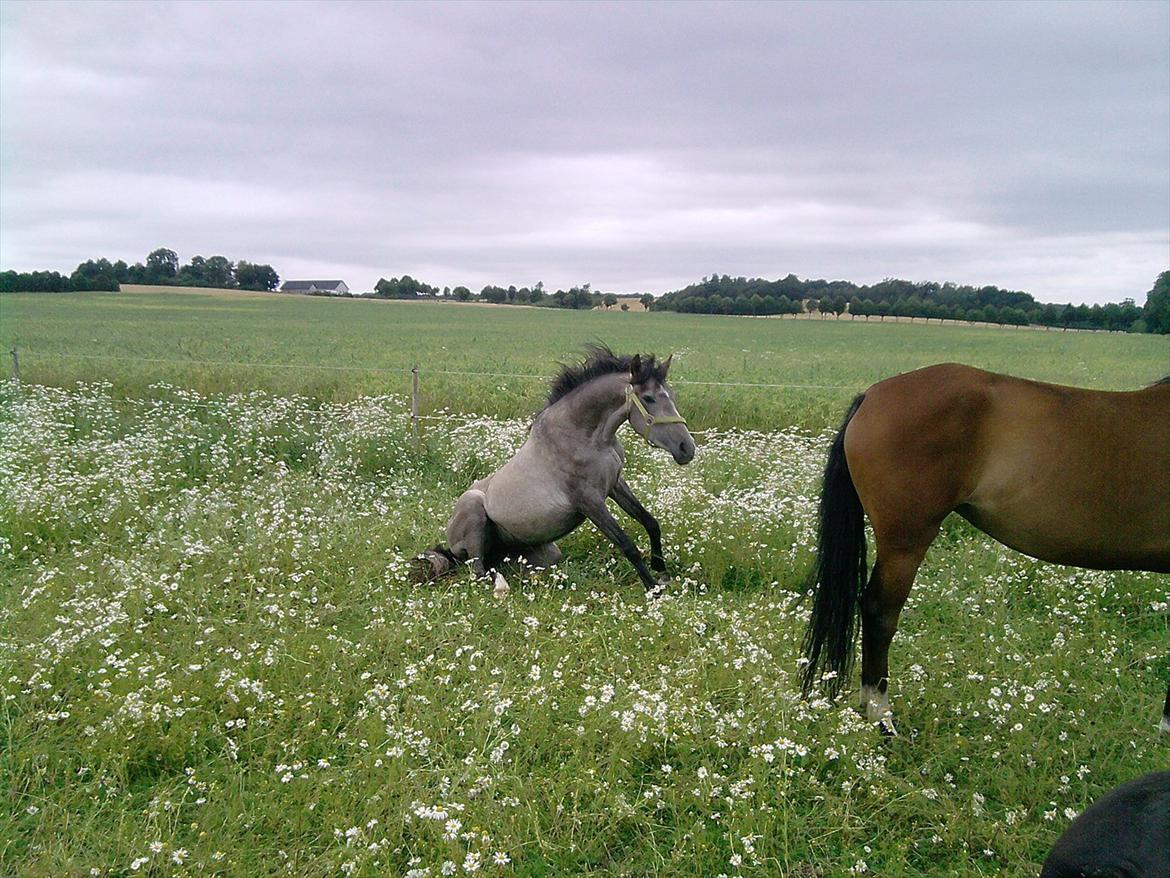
{"points": [[886, 727], [428, 566], [658, 589], [502, 589]]}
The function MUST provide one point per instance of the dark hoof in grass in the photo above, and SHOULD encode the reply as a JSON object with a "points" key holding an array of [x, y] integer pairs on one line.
{"points": [[429, 566]]}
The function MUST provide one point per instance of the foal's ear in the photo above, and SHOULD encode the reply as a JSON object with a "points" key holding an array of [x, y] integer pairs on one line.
{"points": [[635, 368], [666, 365]]}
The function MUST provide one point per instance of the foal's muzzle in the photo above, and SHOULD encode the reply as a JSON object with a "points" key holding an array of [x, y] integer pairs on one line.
{"points": [[684, 452]]}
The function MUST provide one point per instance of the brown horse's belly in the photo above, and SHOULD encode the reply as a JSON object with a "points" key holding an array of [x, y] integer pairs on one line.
{"points": [[1063, 536]]}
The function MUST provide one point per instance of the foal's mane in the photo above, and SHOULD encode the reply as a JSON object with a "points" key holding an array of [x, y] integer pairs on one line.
{"points": [[600, 360]]}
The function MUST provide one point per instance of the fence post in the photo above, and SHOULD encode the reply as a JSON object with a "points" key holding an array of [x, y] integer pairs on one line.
{"points": [[414, 401], [15, 366]]}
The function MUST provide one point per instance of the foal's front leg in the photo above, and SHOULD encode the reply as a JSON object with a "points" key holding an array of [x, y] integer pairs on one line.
{"points": [[624, 497], [600, 515]]}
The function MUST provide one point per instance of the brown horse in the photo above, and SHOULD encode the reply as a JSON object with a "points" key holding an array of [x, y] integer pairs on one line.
{"points": [[1066, 475]]}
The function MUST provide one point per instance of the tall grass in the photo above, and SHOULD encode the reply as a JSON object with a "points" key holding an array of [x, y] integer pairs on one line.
{"points": [[336, 347], [212, 662]]}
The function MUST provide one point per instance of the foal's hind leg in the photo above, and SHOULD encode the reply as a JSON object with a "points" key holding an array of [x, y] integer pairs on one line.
{"points": [[881, 603], [542, 556], [470, 532], [433, 564]]}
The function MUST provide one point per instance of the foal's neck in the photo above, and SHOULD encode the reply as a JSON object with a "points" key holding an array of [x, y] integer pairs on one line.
{"points": [[598, 408]]}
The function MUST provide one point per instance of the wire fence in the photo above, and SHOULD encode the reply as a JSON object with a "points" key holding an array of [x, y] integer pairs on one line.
{"points": [[408, 370], [414, 371]]}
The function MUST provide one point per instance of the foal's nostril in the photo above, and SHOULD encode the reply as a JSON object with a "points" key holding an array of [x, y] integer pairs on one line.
{"points": [[686, 451]]}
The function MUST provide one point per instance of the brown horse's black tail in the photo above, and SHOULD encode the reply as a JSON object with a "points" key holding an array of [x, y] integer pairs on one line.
{"points": [[839, 573], [1166, 711]]}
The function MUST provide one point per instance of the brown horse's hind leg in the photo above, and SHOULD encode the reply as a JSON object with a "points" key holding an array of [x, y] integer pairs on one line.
{"points": [[881, 603]]}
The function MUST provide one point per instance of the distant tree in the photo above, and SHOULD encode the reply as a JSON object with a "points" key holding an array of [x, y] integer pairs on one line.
{"points": [[578, 298], [625, 306], [1156, 313], [94, 274], [609, 300], [405, 287], [461, 293], [647, 301], [162, 266], [217, 272], [837, 306], [910, 306], [1014, 316], [192, 274], [251, 276], [493, 294], [34, 282]]}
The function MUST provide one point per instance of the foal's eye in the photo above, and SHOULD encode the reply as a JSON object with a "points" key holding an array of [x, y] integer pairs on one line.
{"points": [[649, 400]]}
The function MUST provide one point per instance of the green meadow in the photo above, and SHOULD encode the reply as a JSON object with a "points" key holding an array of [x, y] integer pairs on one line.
{"points": [[341, 349], [212, 660]]}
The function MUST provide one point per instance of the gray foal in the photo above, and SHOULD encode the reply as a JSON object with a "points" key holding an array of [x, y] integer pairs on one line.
{"points": [[571, 462]]}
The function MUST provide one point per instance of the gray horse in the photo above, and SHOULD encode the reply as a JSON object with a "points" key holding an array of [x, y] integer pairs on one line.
{"points": [[571, 462]]}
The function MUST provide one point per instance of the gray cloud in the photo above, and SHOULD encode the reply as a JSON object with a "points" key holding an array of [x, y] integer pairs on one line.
{"points": [[636, 146]]}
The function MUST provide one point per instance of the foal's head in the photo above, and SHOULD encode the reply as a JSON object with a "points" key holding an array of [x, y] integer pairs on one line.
{"points": [[652, 411]]}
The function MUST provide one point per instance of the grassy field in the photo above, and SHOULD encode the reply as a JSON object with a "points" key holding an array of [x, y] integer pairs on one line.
{"points": [[212, 661], [337, 346]]}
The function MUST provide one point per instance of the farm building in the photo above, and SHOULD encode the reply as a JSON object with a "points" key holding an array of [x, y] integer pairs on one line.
{"points": [[308, 287]]}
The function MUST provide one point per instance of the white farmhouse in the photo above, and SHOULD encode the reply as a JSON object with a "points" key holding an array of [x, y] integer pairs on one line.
{"points": [[308, 287]]}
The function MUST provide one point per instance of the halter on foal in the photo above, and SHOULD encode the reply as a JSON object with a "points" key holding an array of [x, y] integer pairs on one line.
{"points": [[1066, 475], [570, 463]]}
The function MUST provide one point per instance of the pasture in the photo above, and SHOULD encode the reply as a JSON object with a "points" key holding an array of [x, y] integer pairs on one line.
{"points": [[212, 661], [332, 349]]}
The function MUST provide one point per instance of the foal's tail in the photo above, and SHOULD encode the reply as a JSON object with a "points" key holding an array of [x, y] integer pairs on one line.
{"points": [[839, 573]]}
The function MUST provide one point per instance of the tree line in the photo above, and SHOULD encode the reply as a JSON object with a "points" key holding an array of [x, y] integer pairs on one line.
{"points": [[721, 294], [161, 267], [581, 297], [717, 294]]}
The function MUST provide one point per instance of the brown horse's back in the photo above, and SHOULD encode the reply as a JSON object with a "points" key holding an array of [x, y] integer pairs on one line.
{"points": [[1064, 474]]}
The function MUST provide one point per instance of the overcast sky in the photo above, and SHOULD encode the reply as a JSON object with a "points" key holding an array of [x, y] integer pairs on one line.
{"points": [[638, 147]]}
